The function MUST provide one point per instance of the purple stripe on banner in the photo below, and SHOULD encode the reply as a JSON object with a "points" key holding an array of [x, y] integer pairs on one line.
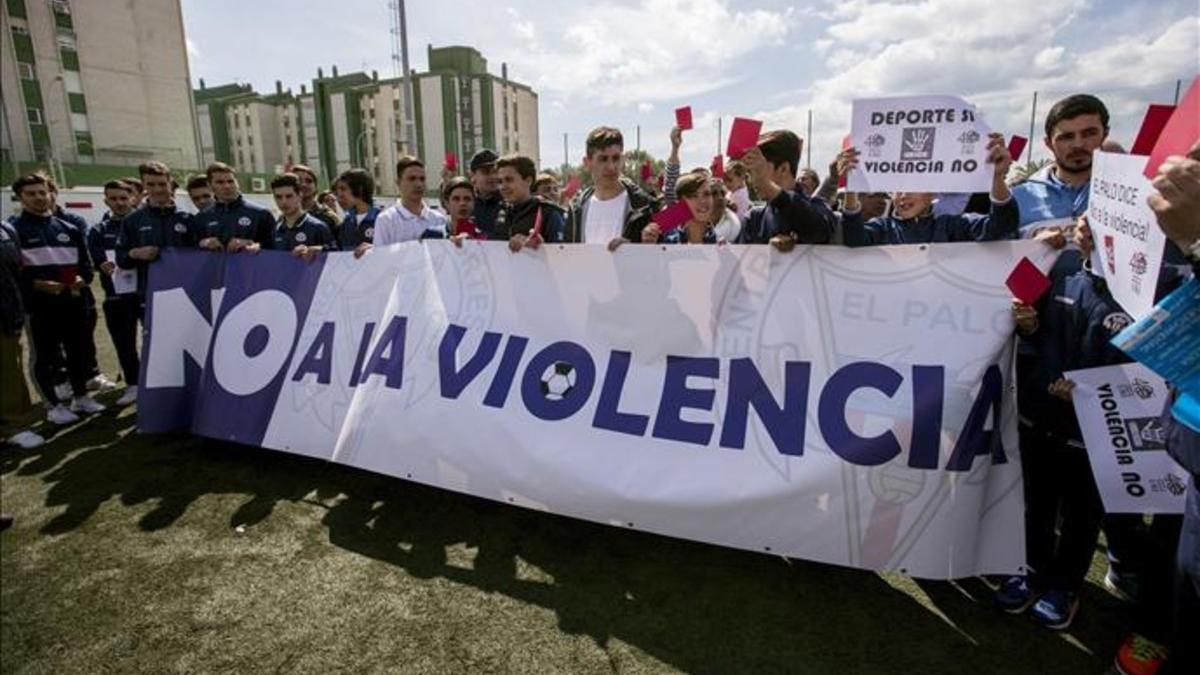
{"points": [[267, 298], [180, 278]]}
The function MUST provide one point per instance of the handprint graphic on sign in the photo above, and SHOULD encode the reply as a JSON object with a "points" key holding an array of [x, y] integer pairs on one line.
{"points": [[917, 143]]}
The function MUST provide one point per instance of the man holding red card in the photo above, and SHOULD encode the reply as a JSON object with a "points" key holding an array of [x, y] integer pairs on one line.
{"points": [[696, 201], [55, 267], [525, 219], [788, 218]]}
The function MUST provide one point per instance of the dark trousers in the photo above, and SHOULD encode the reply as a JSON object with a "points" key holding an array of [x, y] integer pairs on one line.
{"points": [[57, 328], [92, 317], [121, 315], [1149, 552], [1059, 491], [1185, 650]]}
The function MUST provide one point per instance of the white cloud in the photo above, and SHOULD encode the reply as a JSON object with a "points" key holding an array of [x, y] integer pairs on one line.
{"points": [[193, 51], [994, 54], [645, 108], [653, 50]]}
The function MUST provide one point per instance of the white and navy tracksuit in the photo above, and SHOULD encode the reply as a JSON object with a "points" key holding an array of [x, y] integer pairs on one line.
{"points": [[54, 250], [121, 312]]}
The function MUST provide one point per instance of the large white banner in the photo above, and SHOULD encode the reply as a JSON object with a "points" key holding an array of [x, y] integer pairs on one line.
{"points": [[1120, 410], [919, 144], [1128, 242], [847, 406]]}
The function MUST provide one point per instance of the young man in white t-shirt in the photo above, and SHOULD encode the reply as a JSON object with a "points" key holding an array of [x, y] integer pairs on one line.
{"points": [[612, 210]]}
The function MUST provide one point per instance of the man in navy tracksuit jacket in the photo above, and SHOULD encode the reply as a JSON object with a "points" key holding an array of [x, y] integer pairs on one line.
{"points": [[1076, 322], [158, 224], [358, 228], [55, 266], [121, 310], [232, 222]]}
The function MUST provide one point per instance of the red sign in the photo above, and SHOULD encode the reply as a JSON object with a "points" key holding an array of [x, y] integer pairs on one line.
{"points": [[1181, 132], [673, 216], [743, 135], [1153, 124], [683, 117], [1027, 282]]}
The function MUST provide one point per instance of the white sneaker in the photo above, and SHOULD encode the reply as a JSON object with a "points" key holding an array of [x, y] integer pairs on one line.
{"points": [[86, 404], [60, 415], [101, 383], [63, 391], [129, 397], [26, 440]]}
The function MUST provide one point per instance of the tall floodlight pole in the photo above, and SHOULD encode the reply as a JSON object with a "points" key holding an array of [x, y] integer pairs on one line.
{"points": [[410, 129]]}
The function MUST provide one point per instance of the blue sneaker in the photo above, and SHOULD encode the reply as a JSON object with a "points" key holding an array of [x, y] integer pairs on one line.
{"points": [[1015, 595], [1056, 610]]}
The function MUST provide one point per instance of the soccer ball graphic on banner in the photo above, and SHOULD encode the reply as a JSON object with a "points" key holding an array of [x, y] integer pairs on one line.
{"points": [[558, 380]]}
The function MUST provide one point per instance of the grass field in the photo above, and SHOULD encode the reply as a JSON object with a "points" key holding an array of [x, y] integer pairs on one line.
{"points": [[151, 554]]}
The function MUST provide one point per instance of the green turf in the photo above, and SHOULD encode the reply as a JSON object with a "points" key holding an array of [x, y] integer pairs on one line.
{"points": [[157, 554]]}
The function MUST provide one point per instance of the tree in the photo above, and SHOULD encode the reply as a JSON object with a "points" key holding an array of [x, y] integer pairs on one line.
{"points": [[1021, 172]]}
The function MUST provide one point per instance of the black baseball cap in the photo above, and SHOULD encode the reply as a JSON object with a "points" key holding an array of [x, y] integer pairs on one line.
{"points": [[483, 158]]}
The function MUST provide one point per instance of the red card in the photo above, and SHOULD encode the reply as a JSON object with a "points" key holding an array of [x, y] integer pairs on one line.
{"points": [[683, 117], [673, 216], [847, 142], [647, 172], [537, 224], [718, 166], [1027, 282], [1153, 124], [1181, 131], [571, 187], [742, 136], [67, 273], [452, 161], [1016, 145]]}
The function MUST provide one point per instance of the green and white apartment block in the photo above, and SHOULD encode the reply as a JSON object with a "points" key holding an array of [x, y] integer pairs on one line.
{"points": [[357, 120], [90, 84]]}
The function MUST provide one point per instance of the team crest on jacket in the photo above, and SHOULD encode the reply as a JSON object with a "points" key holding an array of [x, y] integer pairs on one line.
{"points": [[369, 233], [180, 228], [63, 237], [301, 237], [1117, 322], [244, 221]]}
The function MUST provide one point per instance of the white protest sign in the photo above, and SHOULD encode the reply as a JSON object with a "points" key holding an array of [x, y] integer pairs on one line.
{"points": [[919, 144], [124, 281], [1120, 413], [1129, 245]]}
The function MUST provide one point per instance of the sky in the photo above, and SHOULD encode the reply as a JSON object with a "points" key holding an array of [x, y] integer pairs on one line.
{"points": [[630, 63]]}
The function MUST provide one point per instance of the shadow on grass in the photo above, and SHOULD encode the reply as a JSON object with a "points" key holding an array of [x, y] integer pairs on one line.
{"points": [[696, 607]]}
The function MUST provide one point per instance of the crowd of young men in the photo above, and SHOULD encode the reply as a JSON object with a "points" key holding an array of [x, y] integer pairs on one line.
{"points": [[50, 258]]}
